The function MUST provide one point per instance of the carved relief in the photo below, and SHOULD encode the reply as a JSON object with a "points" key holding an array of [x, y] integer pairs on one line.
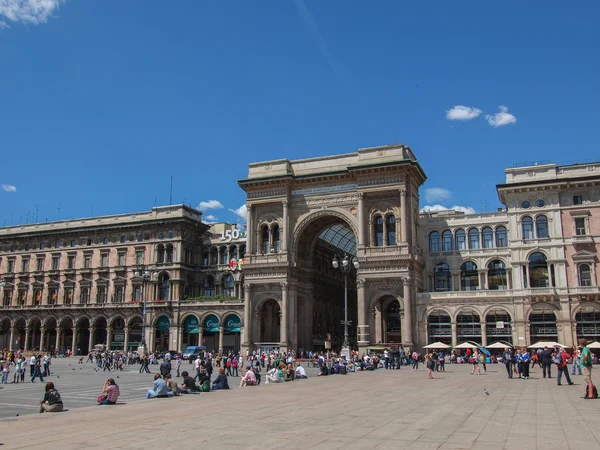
{"points": [[335, 201]]}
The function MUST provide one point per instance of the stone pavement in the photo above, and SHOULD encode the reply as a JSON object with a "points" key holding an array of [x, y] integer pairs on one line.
{"points": [[382, 409]]}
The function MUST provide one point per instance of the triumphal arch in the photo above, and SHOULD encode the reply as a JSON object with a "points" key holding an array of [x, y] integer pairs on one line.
{"points": [[303, 213]]}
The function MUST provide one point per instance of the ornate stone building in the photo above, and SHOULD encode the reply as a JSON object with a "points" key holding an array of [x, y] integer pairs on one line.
{"points": [[525, 273]]}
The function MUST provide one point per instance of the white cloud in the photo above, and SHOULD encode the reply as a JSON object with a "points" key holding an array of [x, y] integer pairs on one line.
{"points": [[460, 112], [437, 195], [211, 204], [210, 217], [241, 212], [3, 25], [501, 118], [9, 187], [439, 208], [28, 11]]}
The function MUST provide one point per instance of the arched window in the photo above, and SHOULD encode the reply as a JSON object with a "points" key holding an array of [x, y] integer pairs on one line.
{"points": [[527, 227], [442, 279], [378, 231], [242, 251], [469, 277], [233, 253], [169, 253], [276, 238], [585, 275], [473, 238], [447, 241], [228, 285], [497, 279], [541, 227], [501, 237], [538, 271], [439, 327], [214, 256], [209, 286], [223, 255], [165, 285], [461, 240], [160, 254], [390, 223], [265, 239], [488, 237], [434, 241]]}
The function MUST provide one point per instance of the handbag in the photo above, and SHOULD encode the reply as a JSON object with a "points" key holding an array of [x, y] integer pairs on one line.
{"points": [[102, 398]]}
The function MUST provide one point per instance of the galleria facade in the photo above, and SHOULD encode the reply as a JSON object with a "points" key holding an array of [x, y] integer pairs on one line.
{"points": [[525, 273]]}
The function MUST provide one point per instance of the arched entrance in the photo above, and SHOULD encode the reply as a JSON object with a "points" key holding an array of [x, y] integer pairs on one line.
{"points": [[588, 323], [35, 334], [468, 326], [100, 331], [161, 333], [49, 338], [498, 326], [439, 327], [5, 334], [232, 329], [83, 334], [388, 328], [191, 330], [269, 324], [117, 339], [210, 332], [542, 325], [19, 334], [134, 337]]}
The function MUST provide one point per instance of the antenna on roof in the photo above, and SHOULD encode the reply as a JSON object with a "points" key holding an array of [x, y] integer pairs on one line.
{"points": [[171, 192], [59, 203], [37, 208]]}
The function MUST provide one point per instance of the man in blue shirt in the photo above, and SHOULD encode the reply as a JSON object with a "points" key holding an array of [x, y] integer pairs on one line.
{"points": [[525, 360], [159, 388]]}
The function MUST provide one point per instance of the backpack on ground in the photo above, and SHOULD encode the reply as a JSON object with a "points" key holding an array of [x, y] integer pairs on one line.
{"points": [[594, 392]]}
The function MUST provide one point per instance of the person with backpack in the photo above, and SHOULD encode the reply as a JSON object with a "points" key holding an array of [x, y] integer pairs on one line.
{"points": [[585, 363], [546, 356], [561, 358]]}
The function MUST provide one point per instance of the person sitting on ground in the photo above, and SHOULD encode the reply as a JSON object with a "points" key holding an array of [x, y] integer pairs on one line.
{"points": [[204, 383], [273, 376], [300, 372], [52, 401], [290, 373], [221, 381], [112, 392], [249, 379], [188, 385], [324, 371], [173, 388], [159, 389]]}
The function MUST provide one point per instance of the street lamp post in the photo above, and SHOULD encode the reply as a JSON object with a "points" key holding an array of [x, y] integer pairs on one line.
{"points": [[144, 274], [345, 264]]}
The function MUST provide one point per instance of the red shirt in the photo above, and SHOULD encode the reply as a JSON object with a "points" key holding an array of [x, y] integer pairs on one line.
{"points": [[564, 358]]}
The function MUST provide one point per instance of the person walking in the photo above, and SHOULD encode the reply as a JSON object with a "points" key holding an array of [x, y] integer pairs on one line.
{"points": [[525, 360], [234, 366], [5, 370], [475, 362], [576, 359], [415, 359], [508, 361], [430, 364], [561, 359], [586, 367], [37, 372], [547, 362]]}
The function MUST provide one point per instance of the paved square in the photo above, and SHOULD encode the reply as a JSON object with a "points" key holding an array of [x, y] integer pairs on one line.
{"points": [[382, 409]]}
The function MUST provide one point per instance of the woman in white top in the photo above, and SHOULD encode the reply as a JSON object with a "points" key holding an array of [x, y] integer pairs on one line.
{"points": [[300, 372]]}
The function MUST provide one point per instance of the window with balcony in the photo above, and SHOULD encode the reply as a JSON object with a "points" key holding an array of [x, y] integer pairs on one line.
{"points": [[447, 240], [461, 240], [87, 261], [497, 278], [101, 295], [541, 227], [473, 239], [580, 229], [8, 293], [214, 256], [104, 260], [10, 267], [137, 293], [390, 228], [501, 237], [265, 240], [223, 255], [37, 297], [442, 278], [40, 264], [25, 265], [434, 241], [228, 285], [22, 297], [121, 258], [52, 296], [527, 227], [469, 277], [55, 262], [71, 262], [119, 290], [538, 271], [85, 296], [276, 238], [585, 275], [488, 237], [68, 296], [160, 254], [209, 286], [139, 257], [169, 252]]}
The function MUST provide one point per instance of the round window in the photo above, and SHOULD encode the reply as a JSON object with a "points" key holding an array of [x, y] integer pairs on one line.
{"points": [[540, 203], [526, 204]]}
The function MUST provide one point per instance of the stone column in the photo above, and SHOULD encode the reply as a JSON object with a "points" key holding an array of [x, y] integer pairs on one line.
{"points": [[74, 346], [126, 340], [200, 335], [454, 334], [403, 216], [247, 342], [58, 337], [108, 337], [483, 280], [283, 329], [362, 313], [286, 225], [407, 284], [42, 332], [26, 345], [483, 334], [377, 319], [249, 230], [91, 339], [12, 337], [361, 220], [509, 282], [221, 336]]}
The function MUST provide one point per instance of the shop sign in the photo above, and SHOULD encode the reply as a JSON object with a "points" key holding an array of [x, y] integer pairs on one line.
{"points": [[233, 324], [163, 324], [191, 325], [211, 324]]}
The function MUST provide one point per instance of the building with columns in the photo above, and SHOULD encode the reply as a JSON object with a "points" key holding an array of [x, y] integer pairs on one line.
{"points": [[525, 273]]}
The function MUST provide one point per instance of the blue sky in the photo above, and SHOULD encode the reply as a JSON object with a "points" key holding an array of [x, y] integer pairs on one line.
{"points": [[102, 102]]}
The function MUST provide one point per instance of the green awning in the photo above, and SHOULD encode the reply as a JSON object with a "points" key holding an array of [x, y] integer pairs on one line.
{"points": [[211, 324], [163, 323], [233, 324], [191, 325]]}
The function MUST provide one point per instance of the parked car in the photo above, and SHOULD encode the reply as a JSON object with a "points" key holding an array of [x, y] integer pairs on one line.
{"points": [[193, 351]]}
